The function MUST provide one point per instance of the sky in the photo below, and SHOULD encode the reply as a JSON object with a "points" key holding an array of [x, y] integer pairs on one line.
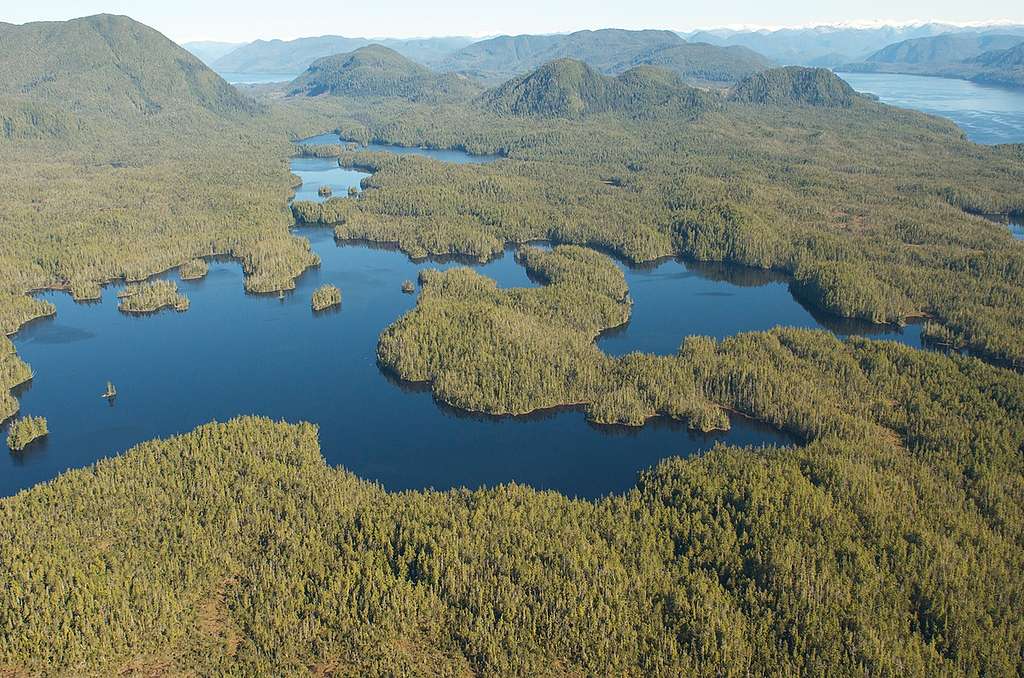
{"points": [[246, 20]]}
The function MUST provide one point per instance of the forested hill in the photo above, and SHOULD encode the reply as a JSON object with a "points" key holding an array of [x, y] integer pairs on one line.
{"points": [[500, 58], [567, 88], [378, 71], [699, 61], [108, 65], [795, 85]]}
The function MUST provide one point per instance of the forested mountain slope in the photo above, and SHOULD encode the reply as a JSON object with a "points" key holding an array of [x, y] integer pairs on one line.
{"points": [[108, 64], [378, 71], [701, 62], [568, 88], [943, 49], [499, 58], [1002, 58], [794, 85]]}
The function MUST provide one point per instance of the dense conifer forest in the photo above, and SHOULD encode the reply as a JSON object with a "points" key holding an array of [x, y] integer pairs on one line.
{"points": [[889, 544], [149, 297], [325, 297], [24, 431]]}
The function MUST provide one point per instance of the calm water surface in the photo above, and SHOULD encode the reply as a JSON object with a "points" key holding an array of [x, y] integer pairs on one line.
{"points": [[444, 155], [257, 78], [233, 353], [987, 114], [677, 298]]}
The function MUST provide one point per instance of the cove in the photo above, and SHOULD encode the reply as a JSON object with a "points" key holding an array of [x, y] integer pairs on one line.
{"points": [[233, 353], [676, 298]]}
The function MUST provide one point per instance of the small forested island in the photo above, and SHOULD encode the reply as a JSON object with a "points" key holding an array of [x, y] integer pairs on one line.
{"points": [[326, 296], [24, 430], [325, 191], [193, 269], [149, 297], [408, 287]]}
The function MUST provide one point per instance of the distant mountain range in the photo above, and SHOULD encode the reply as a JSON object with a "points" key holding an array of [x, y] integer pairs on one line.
{"points": [[943, 49], [505, 56], [609, 51], [719, 56], [294, 56], [994, 58], [830, 46]]}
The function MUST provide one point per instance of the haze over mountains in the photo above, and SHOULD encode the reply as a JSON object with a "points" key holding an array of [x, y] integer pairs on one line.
{"points": [[505, 56], [717, 56], [983, 57], [831, 46], [294, 56], [208, 51]]}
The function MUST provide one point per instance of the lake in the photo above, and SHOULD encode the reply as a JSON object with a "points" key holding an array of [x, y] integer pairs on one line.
{"points": [[988, 114], [257, 78], [232, 353]]}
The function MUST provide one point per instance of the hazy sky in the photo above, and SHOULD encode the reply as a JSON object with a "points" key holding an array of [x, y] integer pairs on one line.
{"points": [[244, 20]]}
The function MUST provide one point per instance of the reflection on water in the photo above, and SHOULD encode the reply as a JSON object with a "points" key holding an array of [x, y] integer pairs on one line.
{"points": [[987, 114], [317, 172], [676, 298]]}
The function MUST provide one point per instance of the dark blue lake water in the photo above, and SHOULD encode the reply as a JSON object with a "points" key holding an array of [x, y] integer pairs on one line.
{"points": [[233, 353], [987, 114]]}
